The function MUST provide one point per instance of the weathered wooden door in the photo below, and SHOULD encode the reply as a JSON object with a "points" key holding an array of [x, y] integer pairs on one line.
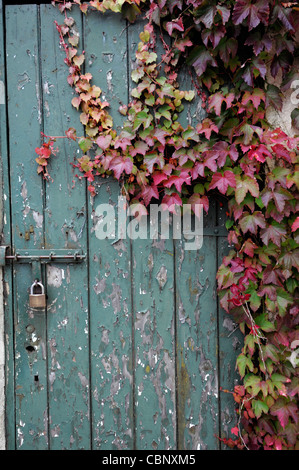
{"points": [[132, 349]]}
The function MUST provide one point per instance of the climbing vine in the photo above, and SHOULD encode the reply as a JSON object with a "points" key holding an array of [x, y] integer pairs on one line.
{"points": [[242, 57]]}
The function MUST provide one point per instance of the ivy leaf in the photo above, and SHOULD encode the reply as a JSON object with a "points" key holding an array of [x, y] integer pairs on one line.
{"points": [[244, 362], [259, 42], [243, 185], [259, 407], [295, 225], [223, 181], [140, 148], [274, 232], [256, 96], [178, 180], [206, 127], [104, 141], [264, 324], [255, 12], [274, 97], [290, 259], [120, 165], [71, 133], [148, 193], [172, 201], [283, 300], [216, 100], [174, 25], [78, 60], [284, 16], [197, 199], [130, 11], [284, 410], [279, 197], [228, 48], [200, 58], [85, 144], [251, 222]]}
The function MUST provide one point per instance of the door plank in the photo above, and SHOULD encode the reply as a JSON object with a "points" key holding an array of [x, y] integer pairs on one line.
{"points": [[153, 300], [5, 229], [110, 259], [197, 346], [24, 114], [65, 227]]}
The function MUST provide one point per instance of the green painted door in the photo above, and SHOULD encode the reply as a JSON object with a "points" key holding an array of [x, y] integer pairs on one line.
{"points": [[132, 348]]}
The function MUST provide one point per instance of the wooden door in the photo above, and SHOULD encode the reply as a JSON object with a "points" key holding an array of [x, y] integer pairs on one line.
{"points": [[132, 349]]}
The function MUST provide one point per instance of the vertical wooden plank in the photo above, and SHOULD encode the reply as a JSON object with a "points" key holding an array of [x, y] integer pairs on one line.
{"points": [[197, 352], [154, 323], [110, 259], [111, 332], [153, 298], [106, 59], [24, 113], [65, 227], [7, 346]]}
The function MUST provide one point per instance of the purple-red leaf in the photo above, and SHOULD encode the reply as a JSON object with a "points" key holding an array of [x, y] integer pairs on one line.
{"points": [[251, 222], [255, 12], [284, 410], [223, 181]]}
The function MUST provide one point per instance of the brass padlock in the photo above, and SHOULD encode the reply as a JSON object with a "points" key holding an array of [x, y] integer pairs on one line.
{"points": [[37, 299]]}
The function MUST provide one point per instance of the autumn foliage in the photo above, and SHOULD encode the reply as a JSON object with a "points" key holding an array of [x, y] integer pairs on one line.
{"points": [[236, 51]]}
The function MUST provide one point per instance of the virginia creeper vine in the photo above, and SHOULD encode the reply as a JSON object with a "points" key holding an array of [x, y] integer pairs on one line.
{"points": [[236, 50]]}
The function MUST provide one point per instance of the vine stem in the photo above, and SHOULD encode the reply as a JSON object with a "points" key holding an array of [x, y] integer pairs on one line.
{"points": [[255, 329]]}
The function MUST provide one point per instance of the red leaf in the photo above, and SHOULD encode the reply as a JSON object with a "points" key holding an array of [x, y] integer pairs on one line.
{"points": [[148, 193], [235, 431], [206, 127], [222, 182], [259, 153], [172, 201], [175, 24], [216, 100], [295, 225], [120, 165], [158, 177], [197, 199], [178, 180], [284, 411]]}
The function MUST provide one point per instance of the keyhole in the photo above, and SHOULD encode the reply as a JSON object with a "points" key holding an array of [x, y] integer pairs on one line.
{"points": [[36, 378]]}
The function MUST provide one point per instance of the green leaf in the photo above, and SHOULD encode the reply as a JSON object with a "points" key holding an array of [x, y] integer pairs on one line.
{"points": [[130, 11], [244, 362], [283, 300], [85, 144], [259, 407], [264, 324]]}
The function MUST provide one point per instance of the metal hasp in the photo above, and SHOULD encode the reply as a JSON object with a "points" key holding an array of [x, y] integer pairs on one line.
{"points": [[42, 256], [37, 257]]}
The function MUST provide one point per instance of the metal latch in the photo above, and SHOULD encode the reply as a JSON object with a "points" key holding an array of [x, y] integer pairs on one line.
{"points": [[37, 257], [41, 255]]}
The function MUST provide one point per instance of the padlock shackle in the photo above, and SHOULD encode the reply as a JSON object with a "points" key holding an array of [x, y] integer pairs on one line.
{"points": [[35, 284]]}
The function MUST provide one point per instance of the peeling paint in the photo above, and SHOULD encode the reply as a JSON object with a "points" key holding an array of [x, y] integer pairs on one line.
{"points": [[55, 276]]}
